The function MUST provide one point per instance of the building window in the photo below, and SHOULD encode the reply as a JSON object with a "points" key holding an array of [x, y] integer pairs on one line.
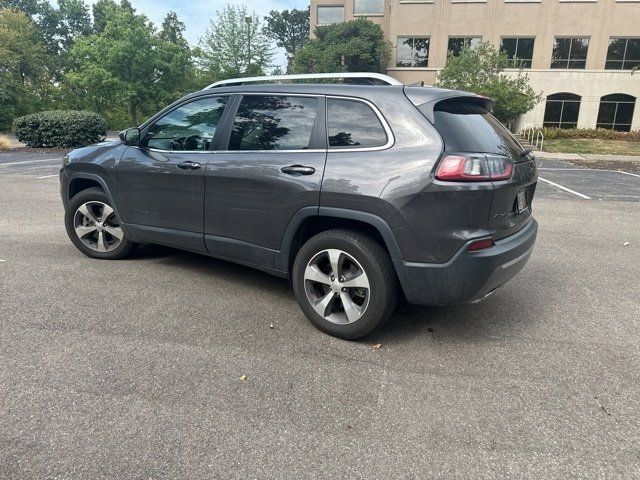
{"points": [[368, 7], [519, 51], [570, 52], [623, 54], [329, 15], [456, 44], [616, 112], [562, 110], [412, 52]]}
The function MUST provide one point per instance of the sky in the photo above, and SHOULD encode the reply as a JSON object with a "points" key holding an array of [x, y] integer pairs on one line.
{"points": [[196, 14]]}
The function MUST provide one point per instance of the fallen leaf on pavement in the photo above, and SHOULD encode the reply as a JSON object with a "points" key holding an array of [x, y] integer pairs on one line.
{"points": [[243, 378], [271, 326], [377, 346], [625, 244]]}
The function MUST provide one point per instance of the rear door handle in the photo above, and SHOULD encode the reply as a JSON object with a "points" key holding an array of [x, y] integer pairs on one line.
{"points": [[189, 165], [298, 170]]}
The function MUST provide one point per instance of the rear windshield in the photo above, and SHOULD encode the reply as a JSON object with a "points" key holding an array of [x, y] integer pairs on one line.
{"points": [[468, 127]]}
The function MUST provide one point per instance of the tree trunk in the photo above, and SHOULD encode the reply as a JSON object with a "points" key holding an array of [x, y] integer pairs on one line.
{"points": [[133, 112]]}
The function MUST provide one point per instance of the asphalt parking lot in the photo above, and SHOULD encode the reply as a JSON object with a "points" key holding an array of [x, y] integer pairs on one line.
{"points": [[131, 369]]}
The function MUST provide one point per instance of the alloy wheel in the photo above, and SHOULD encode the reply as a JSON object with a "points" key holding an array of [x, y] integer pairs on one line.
{"points": [[97, 227], [337, 286]]}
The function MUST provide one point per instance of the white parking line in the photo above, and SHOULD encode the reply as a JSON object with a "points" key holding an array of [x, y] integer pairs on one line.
{"points": [[30, 161], [48, 176], [581, 169], [564, 188]]}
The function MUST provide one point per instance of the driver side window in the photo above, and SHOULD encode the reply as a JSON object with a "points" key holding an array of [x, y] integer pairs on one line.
{"points": [[189, 127]]}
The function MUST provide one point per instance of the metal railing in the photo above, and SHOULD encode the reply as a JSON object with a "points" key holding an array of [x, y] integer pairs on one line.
{"points": [[534, 136]]}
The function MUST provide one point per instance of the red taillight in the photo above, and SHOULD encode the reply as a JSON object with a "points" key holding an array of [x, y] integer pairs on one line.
{"points": [[459, 168], [481, 244]]}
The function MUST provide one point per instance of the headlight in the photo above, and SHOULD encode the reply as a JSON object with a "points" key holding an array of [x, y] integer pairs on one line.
{"points": [[65, 160]]}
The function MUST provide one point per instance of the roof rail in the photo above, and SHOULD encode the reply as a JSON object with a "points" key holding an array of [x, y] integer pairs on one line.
{"points": [[350, 77]]}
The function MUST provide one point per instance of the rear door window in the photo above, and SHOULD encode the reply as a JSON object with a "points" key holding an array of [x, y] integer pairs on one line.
{"points": [[468, 127], [274, 123], [353, 124]]}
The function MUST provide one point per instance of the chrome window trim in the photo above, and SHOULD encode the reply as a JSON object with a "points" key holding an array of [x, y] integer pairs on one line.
{"points": [[390, 137]]}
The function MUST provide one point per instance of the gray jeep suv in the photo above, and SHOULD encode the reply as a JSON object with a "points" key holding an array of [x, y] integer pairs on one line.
{"points": [[356, 192]]}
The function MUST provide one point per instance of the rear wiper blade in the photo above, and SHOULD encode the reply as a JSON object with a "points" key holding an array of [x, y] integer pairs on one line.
{"points": [[526, 153]]}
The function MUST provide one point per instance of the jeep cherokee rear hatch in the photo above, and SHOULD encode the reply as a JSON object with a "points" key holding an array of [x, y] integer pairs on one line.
{"points": [[478, 148]]}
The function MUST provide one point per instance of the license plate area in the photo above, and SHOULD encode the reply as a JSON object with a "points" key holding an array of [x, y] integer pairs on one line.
{"points": [[521, 201]]}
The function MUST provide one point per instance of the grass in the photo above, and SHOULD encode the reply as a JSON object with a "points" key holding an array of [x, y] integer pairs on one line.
{"points": [[592, 145], [5, 143]]}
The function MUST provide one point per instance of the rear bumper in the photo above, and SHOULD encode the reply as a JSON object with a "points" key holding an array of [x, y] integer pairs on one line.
{"points": [[469, 276]]}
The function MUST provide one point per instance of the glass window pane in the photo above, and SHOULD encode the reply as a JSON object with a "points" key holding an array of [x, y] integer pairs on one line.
{"points": [[577, 64], [404, 55], [613, 65], [420, 52], [525, 48], [509, 46], [368, 7], [616, 49], [561, 48], [329, 15], [633, 49], [473, 42], [552, 111], [189, 127], [353, 124], [579, 47], [455, 45], [273, 123], [606, 112], [559, 64], [625, 113], [570, 114]]}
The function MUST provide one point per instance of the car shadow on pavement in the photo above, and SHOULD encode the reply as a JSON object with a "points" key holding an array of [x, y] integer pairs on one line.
{"points": [[474, 322]]}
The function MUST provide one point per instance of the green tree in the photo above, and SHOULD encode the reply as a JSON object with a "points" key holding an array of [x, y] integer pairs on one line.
{"points": [[21, 66], [234, 45], [290, 30], [118, 66], [176, 75], [100, 11], [356, 46], [481, 70]]}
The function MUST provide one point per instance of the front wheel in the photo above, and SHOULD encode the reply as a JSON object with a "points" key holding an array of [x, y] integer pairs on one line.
{"points": [[94, 228], [345, 283]]}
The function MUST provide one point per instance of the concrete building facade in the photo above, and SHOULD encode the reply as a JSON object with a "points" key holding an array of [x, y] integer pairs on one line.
{"points": [[578, 54]]}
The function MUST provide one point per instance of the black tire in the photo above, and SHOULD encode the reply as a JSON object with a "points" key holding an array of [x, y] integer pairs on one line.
{"points": [[93, 194], [376, 263]]}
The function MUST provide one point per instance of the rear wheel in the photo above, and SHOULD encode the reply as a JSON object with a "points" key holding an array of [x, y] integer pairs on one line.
{"points": [[94, 228], [345, 283]]}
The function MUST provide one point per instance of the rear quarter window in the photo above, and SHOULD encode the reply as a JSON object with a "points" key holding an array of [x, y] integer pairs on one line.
{"points": [[353, 124], [468, 127]]}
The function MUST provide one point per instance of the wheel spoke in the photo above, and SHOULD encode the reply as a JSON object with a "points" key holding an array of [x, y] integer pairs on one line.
{"points": [[323, 305], [313, 274], [82, 231], [359, 281], [115, 232], [84, 210], [352, 310], [102, 246], [106, 211], [334, 260]]}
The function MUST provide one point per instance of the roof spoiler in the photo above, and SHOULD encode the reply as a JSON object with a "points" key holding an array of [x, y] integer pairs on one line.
{"points": [[428, 100]]}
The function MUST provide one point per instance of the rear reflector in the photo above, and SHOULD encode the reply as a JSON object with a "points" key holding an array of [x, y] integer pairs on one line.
{"points": [[481, 244], [459, 168]]}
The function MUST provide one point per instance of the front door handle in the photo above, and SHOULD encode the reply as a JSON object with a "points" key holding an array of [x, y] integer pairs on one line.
{"points": [[298, 170], [189, 165]]}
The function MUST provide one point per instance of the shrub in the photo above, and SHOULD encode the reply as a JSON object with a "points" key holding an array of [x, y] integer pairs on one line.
{"points": [[60, 128], [5, 143], [601, 133]]}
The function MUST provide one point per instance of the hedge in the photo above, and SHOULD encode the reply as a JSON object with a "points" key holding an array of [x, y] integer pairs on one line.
{"points": [[60, 128], [602, 133]]}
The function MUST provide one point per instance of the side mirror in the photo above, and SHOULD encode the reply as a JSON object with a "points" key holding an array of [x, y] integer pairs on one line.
{"points": [[131, 137]]}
